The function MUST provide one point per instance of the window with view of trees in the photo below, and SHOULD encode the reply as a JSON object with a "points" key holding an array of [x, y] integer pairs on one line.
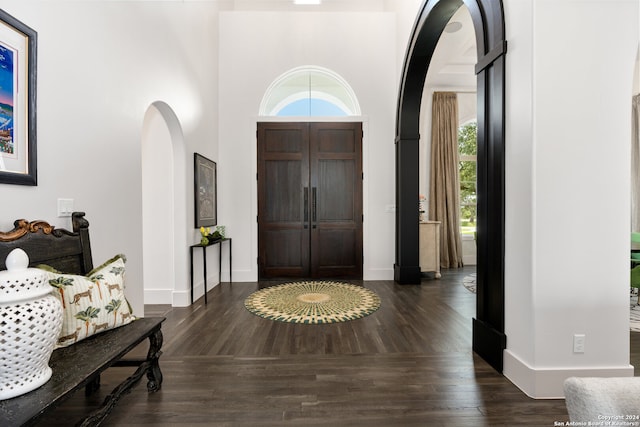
{"points": [[467, 147]]}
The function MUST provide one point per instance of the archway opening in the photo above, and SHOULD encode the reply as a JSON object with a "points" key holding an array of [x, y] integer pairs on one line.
{"points": [[452, 70], [163, 206], [489, 339]]}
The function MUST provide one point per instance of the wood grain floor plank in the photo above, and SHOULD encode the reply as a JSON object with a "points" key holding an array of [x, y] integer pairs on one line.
{"points": [[408, 364]]}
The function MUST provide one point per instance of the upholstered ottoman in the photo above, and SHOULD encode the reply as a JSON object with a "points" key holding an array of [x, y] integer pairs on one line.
{"points": [[603, 399]]}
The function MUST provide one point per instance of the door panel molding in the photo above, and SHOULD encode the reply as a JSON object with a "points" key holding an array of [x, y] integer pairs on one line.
{"points": [[321, 211], [283, 174]]}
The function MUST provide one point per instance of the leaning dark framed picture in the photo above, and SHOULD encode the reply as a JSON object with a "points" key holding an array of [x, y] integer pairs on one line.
{"points": [[205, 177], [18, 55]]}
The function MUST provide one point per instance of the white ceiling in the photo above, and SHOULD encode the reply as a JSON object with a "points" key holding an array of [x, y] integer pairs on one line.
{"points": [[452, 65], [325, 6]]}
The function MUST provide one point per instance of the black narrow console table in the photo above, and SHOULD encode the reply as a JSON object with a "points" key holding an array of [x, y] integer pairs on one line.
{"points": [[204, 263]]}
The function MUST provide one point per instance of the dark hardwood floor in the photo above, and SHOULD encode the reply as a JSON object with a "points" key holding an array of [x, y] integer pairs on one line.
{"points": [[408, 364]]}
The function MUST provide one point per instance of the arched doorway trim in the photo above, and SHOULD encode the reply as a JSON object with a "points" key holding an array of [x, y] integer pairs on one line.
{"points": [[489, 339], [176, 240]]}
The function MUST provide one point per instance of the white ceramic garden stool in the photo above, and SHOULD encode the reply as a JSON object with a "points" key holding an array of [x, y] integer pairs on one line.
{"points": [[30, 322]]}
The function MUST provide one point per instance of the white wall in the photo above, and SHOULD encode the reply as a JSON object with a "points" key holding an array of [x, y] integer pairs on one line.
{"points": [[406, 12], [567, 189], [157, 208], [100, 65], [257, 47]]}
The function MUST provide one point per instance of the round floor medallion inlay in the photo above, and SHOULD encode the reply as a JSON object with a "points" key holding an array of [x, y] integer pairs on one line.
{"points": [[313, 302]]}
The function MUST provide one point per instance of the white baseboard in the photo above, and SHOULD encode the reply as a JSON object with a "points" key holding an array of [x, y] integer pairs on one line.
{"points": [[469, 259], [378, 274], [158, 296], [241, 276], [548, 383], [181, 298], [251, 275]]}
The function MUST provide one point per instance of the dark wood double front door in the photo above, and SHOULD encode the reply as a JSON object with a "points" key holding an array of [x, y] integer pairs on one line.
{"points": [[310, 200]]}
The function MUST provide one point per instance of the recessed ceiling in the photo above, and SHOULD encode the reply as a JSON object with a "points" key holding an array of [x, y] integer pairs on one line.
{"points": [[453, 63]]}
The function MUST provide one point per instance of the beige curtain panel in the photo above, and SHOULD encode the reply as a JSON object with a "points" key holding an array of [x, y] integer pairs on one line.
{"points": [[635, 165], [444, 189]]}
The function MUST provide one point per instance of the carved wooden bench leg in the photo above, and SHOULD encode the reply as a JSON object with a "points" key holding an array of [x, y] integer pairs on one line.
{"points": [[110, 401], [154, 374], [150, 366], [92, 386]]}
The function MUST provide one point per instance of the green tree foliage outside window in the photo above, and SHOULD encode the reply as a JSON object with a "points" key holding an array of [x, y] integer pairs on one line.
{"points": [[467, 146]]}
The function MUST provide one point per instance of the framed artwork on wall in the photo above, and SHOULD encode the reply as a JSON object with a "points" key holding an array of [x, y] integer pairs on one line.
{"points": [[205, 177], [18, 56]]}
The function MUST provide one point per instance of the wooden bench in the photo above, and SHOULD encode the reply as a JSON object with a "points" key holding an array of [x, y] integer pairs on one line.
{"points": [[80, 364]]}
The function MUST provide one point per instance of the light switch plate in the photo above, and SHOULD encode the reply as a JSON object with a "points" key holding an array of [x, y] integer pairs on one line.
{"points": [[65, 207], [578, 343]]}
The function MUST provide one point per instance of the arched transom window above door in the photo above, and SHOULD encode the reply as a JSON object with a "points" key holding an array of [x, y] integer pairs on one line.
{"points": [[309, 91]]}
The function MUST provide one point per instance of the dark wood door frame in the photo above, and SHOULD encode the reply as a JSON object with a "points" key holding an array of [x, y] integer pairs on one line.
{"points": [[489, 339], [310, 218]]}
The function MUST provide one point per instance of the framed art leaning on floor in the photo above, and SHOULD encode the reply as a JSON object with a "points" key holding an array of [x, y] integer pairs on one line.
{"points": [[205, 177]]}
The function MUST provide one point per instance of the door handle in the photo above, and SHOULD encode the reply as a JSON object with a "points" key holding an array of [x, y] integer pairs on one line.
{"points": [[314, 195], [306, 207]]}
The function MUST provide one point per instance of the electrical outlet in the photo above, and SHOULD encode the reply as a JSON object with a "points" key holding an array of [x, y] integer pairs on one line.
{"points": [[578, 343]]}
